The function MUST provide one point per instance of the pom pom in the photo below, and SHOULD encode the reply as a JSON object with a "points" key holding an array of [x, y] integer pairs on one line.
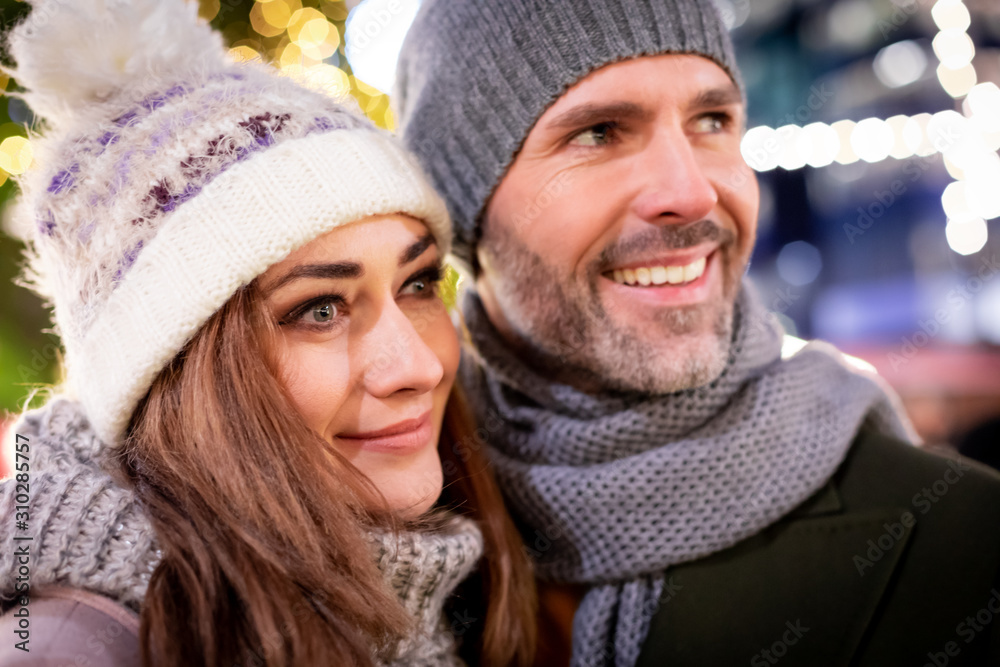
{"points": [[71, 54]]}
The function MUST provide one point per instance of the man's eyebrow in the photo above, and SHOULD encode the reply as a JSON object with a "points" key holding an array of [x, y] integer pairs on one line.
{"points": [[337, 270], [416, 249], [717, 97], [592, 114]]}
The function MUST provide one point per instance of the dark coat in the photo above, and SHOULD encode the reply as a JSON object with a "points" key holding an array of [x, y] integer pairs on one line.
{"points": [[894, 562]]}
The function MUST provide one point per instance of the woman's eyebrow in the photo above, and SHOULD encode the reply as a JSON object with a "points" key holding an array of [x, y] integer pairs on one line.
{"points": [[416, 249], [336, 270]]}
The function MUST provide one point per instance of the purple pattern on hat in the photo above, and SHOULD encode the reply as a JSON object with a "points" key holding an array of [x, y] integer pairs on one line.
{"points": [[46, 223], [127, 260], [63, 180]]}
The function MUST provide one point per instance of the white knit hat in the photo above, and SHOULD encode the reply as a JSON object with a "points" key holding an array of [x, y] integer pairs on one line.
{"points": [[170, 177]]}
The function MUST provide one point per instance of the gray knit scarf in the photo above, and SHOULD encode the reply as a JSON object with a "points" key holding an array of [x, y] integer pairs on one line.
{"points": [[614, 489], [86, 531]]}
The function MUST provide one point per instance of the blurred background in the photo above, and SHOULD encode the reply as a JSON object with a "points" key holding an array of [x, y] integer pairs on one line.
{"points": [[874, 129]]}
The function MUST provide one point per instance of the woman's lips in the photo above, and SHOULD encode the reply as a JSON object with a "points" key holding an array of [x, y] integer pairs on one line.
{"points": [[400, 438]]}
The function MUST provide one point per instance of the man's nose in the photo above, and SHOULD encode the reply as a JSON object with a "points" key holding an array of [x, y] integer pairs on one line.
{"points": [[675, 186], [398, 358]]}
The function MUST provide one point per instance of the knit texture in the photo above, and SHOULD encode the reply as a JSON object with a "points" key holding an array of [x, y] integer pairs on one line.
{"points": [[169, 177], [474, 77], [613, 489], [89, 532]]}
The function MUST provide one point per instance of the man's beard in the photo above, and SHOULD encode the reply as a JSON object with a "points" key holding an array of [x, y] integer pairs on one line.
{"points": [[565, 329]]}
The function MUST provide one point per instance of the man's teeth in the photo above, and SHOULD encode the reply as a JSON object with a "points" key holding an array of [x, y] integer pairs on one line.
{"points": [[661, 275]]}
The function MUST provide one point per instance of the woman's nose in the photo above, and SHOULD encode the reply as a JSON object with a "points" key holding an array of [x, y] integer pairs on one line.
{"points": [[399, 359]]}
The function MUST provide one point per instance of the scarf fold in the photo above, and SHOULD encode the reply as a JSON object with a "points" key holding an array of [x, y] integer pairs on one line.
{"points": [[613, 489], [87, 531]]}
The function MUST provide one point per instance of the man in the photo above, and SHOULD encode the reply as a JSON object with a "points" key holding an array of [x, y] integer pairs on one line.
{"points": [[691, 495]]}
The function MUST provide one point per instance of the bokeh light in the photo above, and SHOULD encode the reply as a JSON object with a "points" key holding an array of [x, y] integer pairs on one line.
{"points": [[900, 64], [374, 36], [966, 237], [16, 155]]}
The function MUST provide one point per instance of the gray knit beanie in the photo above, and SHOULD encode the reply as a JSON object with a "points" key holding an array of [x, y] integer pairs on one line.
{"points": [[475, 75]]}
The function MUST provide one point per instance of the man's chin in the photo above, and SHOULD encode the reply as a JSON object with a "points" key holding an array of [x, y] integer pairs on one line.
{"points": [[680, 349]]}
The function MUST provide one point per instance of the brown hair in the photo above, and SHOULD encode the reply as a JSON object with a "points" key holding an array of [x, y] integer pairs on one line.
{"points": [[261, 521]]}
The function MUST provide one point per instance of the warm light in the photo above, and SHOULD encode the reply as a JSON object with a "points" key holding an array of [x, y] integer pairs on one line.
{"points": [[983, 196], [789, 157], [900, 146], [308, 27], [955, 202], [900, 64], [946, 129], [954, 48], [819, 144], [260, 24], [916, 135], [761, 147], [278, 13], [330, 79], [957, 82], [872, 139], [16, 155], [844, 130], [983, 105], [243, 53], [966, 237], [951, 15]]}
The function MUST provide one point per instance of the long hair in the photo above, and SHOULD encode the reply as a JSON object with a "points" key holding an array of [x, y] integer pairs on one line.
{"points": [[261, 522]]}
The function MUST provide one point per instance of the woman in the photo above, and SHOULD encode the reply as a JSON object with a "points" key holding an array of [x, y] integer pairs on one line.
{"points": [[259, 375]]}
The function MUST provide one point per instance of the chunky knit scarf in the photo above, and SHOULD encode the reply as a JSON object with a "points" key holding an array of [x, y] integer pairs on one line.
{"points": [[614, 489], [88, 532]]}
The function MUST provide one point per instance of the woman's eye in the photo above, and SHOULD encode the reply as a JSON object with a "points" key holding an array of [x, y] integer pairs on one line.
{"points": [[424, 283], [598, 135], [418, 286], [323, 313]]}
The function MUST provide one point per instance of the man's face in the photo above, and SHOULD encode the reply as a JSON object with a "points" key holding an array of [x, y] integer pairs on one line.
{"points": [[613, 249]]}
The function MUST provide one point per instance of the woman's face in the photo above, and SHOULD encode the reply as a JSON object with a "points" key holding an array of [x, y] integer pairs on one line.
{"points": [[367, 350]]}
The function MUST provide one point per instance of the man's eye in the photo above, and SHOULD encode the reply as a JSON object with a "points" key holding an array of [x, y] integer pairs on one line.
{"points": [[598, 135], [713, 123]]}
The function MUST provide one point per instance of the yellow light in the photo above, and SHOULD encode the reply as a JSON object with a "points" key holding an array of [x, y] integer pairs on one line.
{"points": [[208, 9], [844, 130], [951, 15], [16, 155], [278, 13], [954, 48], [243, 53], [303, 31], [370, 91], [389, 120], [957, 82], [260, 24]]}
